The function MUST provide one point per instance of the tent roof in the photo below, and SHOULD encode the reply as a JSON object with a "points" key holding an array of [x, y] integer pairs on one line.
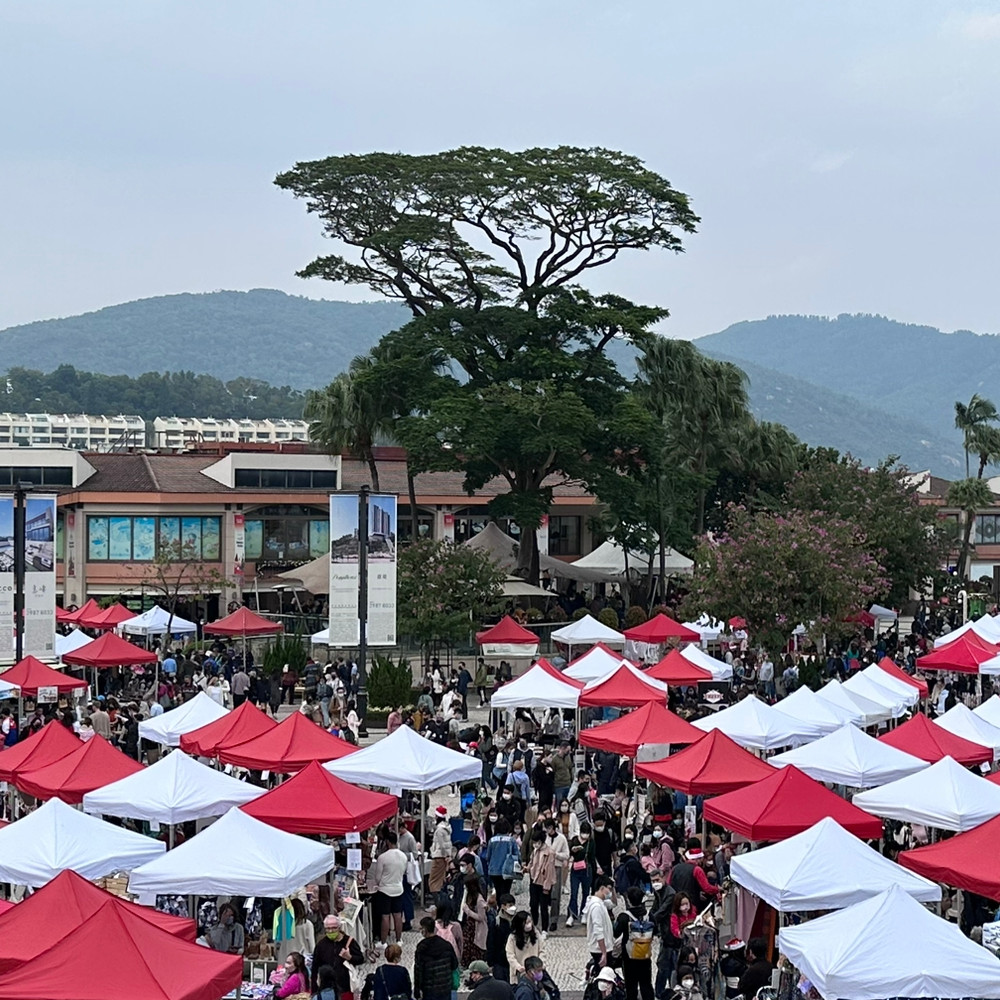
{"points": [[507, 630], [314, 576], [719, 669], [237, 726], [850, 757], [989, 710], [881, 611], [625, 687], [802, 705], [51, 743], [315, 801], [867, 712], [587, 630], [56, 836], [894, 685], [783, 804], [243, 622], [175, 789], [967, 861], [155, 621], [894, 701], [889, 946], [894, 670], [268, 862], [960, 720], [823, 868], [986, 627], [168, 727], [109, 617], [289, 746], [72, 640], [558, 674], [89, 607], [597, 662], [651, 723], [91, 765], [920, 737], [406, 760], [755, 724], [609, 558], [44, 918], [659, 628], [962, 655], [110, 650], [674, 669], [502, 549], [944, 795], [713, 765], [146, 964], [30, 674], [537, 688]]}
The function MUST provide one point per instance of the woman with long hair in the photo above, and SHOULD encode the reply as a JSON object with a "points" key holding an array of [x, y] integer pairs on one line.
{"points": [[524, 940], [296, 976], [474, 923]]}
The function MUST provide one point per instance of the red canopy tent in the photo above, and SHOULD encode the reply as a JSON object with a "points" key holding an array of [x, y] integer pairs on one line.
{"points": [[90, 607], [143, 963], [110, 650], [737, 622], [862, 618], [658, 629], [104, 618], [994, 777], [30, 674], [544, 664], [93, 764], [713, 765], [47, 916], [316, 801], [895, 671], [651, 723], [626, 687], [675, 670], [786, 803], [51, 743], [243, 622], [241, 724], [962, 655], [289, 746], [5, 904], [507, 631], [921, 738], [64, 617], [967, 861]]}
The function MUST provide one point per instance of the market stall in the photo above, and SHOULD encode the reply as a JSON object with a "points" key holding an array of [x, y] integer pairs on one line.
{"points": [[891, 668], [719, 669], [676, 671], [587, 631], [51, 743], [804, 705], [758, 726], [287, 747], [921, 738], [106, 618], [158, 621], [597, 662], [892, 684], [962, 655], [168, 728], [967, 861], [30, 675], [238, 726], [866, 712], [71, 642], [624, 687], [507, 638], [110, 650], [895, 702], [651, 726], [541, 686], [960, 720]]}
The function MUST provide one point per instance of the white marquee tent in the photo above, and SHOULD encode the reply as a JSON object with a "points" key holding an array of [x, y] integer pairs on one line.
{"points": [[707, 627], [869, 712], [168, 728], [883, 613], [8, 690], [596, 662], [889, 946], [238, 856], [805, 706], [895, 703], [989, 710], [155, 622], [986, 627], [536, 688], [36, 848], [585, 632], [719, 669], [893, 686], [824, 868], [650, 682], [944, 795], [72, 641], [962, 721], [852, 758], [322, 637], [609, 558], [757, 726], [175, 789]]}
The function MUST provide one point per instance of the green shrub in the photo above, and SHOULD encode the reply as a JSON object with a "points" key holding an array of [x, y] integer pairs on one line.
{"points": [[389, 684], [579, 613], [557, 614], [635, 616], [533, 614], [284, 649], [609, 617]]}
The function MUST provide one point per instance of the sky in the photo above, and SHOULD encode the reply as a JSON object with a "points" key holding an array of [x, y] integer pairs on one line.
{"points": [[842, 156]]}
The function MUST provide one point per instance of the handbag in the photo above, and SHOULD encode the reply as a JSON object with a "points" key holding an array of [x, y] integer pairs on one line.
{"points": [[512, 867], [392, 996], [413, 873]]}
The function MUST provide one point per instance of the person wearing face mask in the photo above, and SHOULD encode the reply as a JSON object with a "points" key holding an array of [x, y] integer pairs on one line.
{"points": [[687, 985], [569, 824], [605, 845], [660, 912], [562, 771], [227, 935], [600, 930], [502, 857], [497, 944], [557, 840], [581, 872], [662, 854], [535, 982], [605, 986], [509, 806], [336, 949], [524, 941]]}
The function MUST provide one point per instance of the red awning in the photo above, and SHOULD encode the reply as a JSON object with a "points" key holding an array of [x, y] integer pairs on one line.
{"points": [[963, 655], [652, 723], [51, 743], [110, 617], [289, 746], [921, 738], [786, 803], [678, 671], [737, 622], [6, 904], [895, 671], [31, 674], [627, 687], [713, 765], [658, 629], [93, 765], [90, 607], [241, 724], [558, 674], [316, 801], [507, 631], [243, 622], [862, 618], [144, 963], [63, 616], [110, 650], [47, 916], [967, 861]]}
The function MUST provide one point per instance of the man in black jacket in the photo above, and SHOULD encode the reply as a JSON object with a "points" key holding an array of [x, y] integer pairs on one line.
{"points": [[758, 972], [434, 964], [484, 986], [336, 949], [659, 913]]}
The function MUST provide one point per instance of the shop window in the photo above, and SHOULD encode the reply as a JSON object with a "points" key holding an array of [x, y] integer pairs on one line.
{"points": [[564, 535]]}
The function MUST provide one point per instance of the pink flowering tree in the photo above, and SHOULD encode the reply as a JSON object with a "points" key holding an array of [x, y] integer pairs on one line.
{"points": [[777, 570]]}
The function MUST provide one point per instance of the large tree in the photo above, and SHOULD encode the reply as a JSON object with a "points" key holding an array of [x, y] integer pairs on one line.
{"points": [[969, 417]]}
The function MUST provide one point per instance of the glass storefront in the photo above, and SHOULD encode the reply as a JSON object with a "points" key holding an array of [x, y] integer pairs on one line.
{"points": [[116, 538]]}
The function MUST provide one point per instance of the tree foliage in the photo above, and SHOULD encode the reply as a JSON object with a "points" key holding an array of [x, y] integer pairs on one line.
{"points": [[177, 572]]}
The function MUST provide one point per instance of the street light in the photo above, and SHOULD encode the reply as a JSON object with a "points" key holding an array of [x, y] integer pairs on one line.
{"points": [[21, 491]]}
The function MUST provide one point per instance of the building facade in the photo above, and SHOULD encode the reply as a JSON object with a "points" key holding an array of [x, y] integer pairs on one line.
{"points": [[79, 431], [183, 432]]}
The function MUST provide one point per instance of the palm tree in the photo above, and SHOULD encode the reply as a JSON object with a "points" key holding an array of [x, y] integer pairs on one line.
{"points": [[762, 452], [984, 441], [969, 496], [968, 418]]}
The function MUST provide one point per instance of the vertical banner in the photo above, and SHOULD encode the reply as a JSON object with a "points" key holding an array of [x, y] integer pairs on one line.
{"points": [[344, 562], [6, 575], [39, 575], [542, 535], [448, 521], [239, 547]]}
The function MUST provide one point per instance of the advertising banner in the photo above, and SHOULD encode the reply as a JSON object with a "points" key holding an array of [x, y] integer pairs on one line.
{"points": [[239, 545], [7, 576], [40, 576]]}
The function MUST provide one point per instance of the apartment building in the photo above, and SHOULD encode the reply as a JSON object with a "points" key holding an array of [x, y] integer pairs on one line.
{"points": [[79, 431], [181, 432]]}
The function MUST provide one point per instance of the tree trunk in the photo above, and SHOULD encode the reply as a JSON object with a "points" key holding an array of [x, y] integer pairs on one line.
{"points": [[411, 490], [373, 470], [527, 556], [626, 587], [963, 573]]}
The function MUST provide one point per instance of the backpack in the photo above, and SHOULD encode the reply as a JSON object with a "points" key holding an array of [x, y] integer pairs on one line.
{"points": [[622, 882], [639, 941]]}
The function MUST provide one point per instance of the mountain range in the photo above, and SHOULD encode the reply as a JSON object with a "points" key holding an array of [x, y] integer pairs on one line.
{"points": [[863, 384]]}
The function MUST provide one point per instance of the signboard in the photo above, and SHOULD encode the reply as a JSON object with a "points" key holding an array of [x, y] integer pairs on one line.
{"points": [[344, 566], [47, 694], [239, 544], [7, 576], [39, 576]]}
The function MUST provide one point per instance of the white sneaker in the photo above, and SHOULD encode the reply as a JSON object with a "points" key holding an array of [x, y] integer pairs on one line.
{"points": [[569, 921], [451, 795]]}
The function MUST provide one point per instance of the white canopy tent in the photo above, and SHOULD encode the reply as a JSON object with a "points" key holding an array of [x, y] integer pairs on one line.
{"points": [[990, 666], [175, 789], [168, 728], [322, 637], [719, 669], [757, 726], [609, 558], [883, 613], [36, 848], [536, 688], [824, 868], [8, 690], [650, 682], [707, 627], [502, 550], [406, 760], [869, 712], [895, 703], [989, 710], [962, 721], [585, 632], [893, 686], [986, 627], [889, 946], [803, 705], [155, 621], [237, 855], [944, 795], [71, 642], [852, 758], [596, 662]]}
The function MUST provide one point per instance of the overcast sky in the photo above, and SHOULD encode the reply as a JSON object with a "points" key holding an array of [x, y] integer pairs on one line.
{"points": [[842, 155]]}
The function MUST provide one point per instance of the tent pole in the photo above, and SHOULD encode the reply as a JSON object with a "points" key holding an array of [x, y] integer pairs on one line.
{"points": [[423, 842]]}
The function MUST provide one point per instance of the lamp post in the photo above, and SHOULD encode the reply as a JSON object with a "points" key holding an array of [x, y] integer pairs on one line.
{"points": [[362, 706], [20, 543]]}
